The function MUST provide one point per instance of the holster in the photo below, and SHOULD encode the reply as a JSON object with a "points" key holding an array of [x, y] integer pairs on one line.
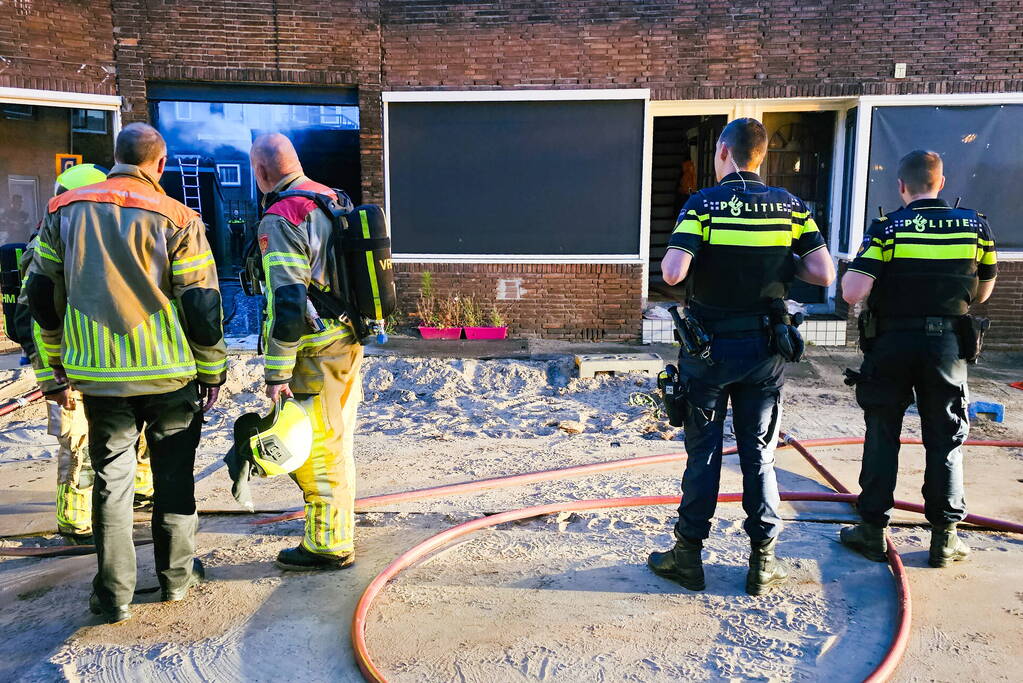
{"points": [[785, 337], [866, 323], [971, 330], [673, 393]]}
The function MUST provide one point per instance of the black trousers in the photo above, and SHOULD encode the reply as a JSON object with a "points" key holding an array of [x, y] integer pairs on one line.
{"points": [[899, 365], [747, 373], [172, 425]]}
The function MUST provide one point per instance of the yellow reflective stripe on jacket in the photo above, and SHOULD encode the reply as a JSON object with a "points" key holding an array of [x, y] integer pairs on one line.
{"points": [[335, 331], [193, 263], [283, 258], [371, 268], [750, 238], [936, 252], [154, 349], [280, 362], [988, 258], [211, 368], [46, 251]]}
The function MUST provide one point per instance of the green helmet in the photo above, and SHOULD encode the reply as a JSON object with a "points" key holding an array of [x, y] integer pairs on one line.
{"points": [[79, 176], [278, 443]]}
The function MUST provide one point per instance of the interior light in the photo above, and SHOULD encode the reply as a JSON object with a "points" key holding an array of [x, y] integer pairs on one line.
{"points": [[968, 138]]}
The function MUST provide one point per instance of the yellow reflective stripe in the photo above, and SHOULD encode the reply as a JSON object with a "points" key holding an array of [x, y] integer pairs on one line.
{"points": [[192, 259], [377, 308], [985, 243], [748, 238], [800, 214], [46, 251], [219, 366], [183, 267], [936, 252], [863, 272], [44, 374], [807, 228], [734, 220], [989, 258], [324, 338], [688, 227], [937, 235], [873, 253], [280, 362]]}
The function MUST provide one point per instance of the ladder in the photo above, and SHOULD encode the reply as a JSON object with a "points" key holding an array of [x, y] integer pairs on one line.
{"points": [[189, 164]]}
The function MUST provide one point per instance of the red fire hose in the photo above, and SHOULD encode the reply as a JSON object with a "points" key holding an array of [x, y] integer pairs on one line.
{"points": [[882, 672], [20, 402]]}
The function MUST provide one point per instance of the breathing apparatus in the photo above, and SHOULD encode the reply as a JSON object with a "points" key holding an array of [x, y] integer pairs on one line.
{"points": [[361, 289]]}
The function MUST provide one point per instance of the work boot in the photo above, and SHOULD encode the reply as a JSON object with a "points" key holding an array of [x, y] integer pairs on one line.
{"points": [[682, 564], [766, 571], [946, 546], [141, 502], [197, 577], [866, 539], [112, 615], [78, 539], [300, 559]]}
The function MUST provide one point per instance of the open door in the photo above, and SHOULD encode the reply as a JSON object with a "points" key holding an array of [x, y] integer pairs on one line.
{"points": [[683, 162]]}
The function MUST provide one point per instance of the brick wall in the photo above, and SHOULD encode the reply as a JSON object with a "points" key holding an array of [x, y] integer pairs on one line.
{"points": [[575, 301], [1005, 308], [62, 45]]}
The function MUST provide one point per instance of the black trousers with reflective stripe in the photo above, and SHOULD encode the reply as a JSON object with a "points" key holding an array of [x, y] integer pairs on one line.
{"points": [[172, 424], [899, 366]]}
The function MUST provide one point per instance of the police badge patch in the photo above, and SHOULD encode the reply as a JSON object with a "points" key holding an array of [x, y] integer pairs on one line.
{"points": [[864, 246], [264, 242]]}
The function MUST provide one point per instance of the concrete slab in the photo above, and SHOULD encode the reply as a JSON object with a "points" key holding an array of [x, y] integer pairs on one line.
{"points": [[590, 364]]}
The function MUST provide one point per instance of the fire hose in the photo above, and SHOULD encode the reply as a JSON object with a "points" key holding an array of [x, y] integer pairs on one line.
{"points": [[20, 402], [372, 673]]}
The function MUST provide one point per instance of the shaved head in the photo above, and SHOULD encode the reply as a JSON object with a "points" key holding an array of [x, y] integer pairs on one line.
{"points": [[273, 157], [139, 144]]}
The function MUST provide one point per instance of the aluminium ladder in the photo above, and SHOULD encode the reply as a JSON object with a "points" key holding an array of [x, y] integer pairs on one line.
{"points": [[189, 164]]}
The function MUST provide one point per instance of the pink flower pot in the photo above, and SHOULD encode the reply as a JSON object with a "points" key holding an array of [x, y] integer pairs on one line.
{"points": [[486, 332], [440, 332]]}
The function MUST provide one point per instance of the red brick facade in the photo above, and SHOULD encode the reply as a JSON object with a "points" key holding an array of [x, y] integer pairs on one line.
{"points": [[597, 302], [680, 49]]}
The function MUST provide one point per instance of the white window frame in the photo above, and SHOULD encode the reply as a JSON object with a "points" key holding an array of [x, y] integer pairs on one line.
{"points": [[867, 103], [178, 109], [238, 173], [65, 100], [531, 96], [237, 107], [89, 131]]}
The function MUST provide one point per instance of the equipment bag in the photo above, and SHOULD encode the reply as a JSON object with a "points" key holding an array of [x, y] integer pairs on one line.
{"points": [[362, 290], [673, 393], [10, 286], [785, 337]]}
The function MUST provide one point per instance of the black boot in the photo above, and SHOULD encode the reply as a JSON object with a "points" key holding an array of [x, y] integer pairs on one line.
{"points": [[766, 572], [682, 564], [300, 559], [197, 577], [112, 615], [946, 547], [866, 539]]}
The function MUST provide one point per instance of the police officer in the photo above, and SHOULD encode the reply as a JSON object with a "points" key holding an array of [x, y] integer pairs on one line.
{"points": [[919, 268], [315, 360], [124, 288], [738, 245]]}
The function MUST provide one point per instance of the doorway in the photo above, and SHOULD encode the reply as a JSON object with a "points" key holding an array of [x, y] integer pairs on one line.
{"points": [[683, 162], [800, 150]]}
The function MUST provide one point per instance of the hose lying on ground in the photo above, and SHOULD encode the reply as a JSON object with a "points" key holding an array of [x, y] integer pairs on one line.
{"points": [[20, 402]]}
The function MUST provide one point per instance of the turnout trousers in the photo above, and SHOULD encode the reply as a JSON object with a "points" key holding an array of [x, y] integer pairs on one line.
{"points": [[747, 373], [898, 366], [330, 389], [74, 470], [172, 424]]}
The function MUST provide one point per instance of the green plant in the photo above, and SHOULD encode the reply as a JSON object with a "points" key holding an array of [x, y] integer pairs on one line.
{"points": [[472, 312], [427, 306], [495, 317], [448, 312]]}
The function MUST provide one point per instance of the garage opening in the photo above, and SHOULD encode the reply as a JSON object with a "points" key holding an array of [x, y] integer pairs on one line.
{"points": [[683, 162]]}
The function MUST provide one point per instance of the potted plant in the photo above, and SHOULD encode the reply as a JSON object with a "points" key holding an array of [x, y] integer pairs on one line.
{"points": [[438, 317], [484, 325]]}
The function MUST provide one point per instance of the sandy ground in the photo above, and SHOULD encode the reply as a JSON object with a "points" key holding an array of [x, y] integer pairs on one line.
{"points": [[565, 597]]}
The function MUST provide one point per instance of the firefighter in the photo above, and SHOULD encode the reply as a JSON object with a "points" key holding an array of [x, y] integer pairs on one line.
{"points": [[74, 471], [919, 268], [135, 326], [738, 245], [315, 360]]}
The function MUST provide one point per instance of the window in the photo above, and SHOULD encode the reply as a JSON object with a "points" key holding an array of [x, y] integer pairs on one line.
{"points": [[23, 112], [183, 111], [234, 112], [230, 174], [89, 121]]}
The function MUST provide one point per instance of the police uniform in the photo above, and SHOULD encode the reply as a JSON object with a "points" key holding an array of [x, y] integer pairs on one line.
{"points": [[321, 367], [742, 235], [927, 260]]}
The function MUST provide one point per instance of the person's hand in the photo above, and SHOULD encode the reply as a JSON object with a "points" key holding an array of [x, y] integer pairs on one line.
{"points": [[275, 391], [209, 394], [59, 375], [64, 398]]}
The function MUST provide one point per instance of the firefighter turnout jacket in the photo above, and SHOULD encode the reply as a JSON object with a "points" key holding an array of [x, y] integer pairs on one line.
{"points": [[742, 235], [927, 259], [294, 237], [124, 288], [29, 330]]}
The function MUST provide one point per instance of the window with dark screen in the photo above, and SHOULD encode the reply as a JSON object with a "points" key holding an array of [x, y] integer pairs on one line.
{"points": [[982, 147]]}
